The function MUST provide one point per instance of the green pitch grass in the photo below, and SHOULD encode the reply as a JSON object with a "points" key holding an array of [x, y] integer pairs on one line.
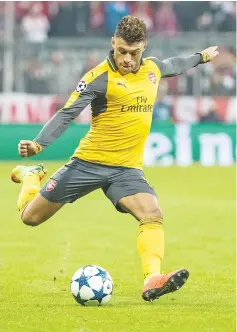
{"points": [[36, 264]]}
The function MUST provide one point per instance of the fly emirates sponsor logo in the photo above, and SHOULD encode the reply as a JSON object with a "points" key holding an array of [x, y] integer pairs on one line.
{"points": [[140, 106]]}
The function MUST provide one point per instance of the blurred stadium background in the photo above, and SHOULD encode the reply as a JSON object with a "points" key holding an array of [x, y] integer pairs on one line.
{"points": [[45, 48]]}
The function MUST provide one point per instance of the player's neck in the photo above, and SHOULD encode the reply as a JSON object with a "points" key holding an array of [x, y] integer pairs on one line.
{"points": [[133, 72], [137, 68]]}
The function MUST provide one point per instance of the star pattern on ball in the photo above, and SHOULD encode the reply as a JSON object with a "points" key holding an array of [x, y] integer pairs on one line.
{"points": [[92, 285]]}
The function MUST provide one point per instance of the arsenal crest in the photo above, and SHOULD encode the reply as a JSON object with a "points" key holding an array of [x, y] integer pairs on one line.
{"points": [[152, 77], [51, 185]]}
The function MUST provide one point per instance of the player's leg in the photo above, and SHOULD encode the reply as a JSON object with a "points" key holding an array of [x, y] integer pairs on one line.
{"points": [[34, 208], [39, 210], [72, 181], [144, 207], [131, 193]]}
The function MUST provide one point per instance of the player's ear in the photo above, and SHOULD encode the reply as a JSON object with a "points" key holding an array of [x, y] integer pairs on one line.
{"points": [[145, 45], [113, 42]]}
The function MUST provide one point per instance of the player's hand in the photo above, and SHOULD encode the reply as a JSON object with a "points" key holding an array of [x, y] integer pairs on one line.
{"points": [[209, 54], [27, 148]]}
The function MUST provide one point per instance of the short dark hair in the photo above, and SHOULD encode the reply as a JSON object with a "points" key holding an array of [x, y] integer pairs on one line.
{"points": [[131, 29]]}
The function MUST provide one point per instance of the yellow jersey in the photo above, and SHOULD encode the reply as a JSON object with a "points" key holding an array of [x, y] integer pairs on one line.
{"points": [[121, 109]]}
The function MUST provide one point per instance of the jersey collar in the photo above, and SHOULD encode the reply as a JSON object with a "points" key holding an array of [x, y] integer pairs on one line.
{"points": [[112, 64]]}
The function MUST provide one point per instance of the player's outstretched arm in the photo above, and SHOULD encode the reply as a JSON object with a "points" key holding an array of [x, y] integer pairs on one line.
{"points": [[178, 65], [55, 127], [28, 148], [49, 133]]}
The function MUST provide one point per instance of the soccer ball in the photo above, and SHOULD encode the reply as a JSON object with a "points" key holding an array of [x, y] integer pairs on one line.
{"points": [[92, 285]]}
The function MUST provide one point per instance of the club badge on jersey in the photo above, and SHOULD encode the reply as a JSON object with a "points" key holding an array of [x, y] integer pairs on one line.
{"points": [[152, 77], [81, 86]]}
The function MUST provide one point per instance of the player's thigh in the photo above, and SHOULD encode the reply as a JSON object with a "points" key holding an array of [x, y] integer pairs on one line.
{"points": [[141, 205], [76, 179], [39, 210], [130, 192]]}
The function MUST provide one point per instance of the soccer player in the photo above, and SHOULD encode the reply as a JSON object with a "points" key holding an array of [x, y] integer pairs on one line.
{"points": [[122, 91]]}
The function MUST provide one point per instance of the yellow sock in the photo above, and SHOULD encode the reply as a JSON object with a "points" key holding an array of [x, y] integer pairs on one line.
{"points": [[151, 245], [30, 188]]}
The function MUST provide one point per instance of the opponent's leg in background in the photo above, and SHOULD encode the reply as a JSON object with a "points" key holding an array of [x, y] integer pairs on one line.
{"points": [[144, 207], [34, 209]]}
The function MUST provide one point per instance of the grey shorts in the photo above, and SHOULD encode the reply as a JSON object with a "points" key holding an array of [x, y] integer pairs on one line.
{"points": [[78, 178]]}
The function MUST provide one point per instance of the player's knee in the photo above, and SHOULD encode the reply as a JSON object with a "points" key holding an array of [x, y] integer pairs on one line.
{"points": [[31, 219], [153, 212], [160, 213], [157, 212]]}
